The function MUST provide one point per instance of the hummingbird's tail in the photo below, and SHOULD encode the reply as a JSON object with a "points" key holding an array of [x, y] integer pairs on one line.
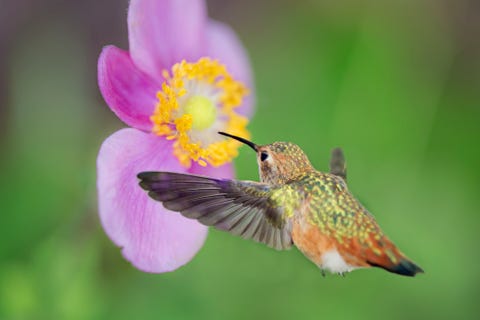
{"points": [[392, 260], [404, 267]]}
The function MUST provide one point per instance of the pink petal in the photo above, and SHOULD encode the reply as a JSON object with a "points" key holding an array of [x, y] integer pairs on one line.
{"points": [[130, 93], [162, 33], [224, 45], [226, 171], [153, 239]]}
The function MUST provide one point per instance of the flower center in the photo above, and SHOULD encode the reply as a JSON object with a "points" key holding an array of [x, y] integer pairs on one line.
{"points": [[196, 101], [203, 112]]}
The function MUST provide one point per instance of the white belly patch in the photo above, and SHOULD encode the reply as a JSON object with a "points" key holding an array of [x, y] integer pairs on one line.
{"points": [[333, 262]]}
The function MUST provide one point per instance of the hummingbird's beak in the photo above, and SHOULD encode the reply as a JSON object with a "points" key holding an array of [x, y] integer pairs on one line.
{"points": [[248, 143]]}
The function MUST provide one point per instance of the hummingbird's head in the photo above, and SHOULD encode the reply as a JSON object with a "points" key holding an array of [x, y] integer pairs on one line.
{"points": [[278, 162]]}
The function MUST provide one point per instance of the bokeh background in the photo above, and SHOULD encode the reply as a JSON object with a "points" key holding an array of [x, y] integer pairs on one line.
{"points": [[395, 83]]}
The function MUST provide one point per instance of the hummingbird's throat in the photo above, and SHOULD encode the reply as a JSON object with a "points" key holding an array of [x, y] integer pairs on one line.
{"points": [[196, 101]]}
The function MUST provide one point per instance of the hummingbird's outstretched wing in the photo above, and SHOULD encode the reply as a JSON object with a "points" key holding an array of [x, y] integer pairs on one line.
{"points": [[242, 208], [338, 166]]}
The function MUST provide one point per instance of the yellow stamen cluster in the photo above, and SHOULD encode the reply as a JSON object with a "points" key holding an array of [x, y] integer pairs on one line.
{"points": [[168, 121]]}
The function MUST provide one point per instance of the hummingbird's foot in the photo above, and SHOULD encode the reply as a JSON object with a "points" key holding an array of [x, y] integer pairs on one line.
{"points": [[342, 274], [323, 272]]}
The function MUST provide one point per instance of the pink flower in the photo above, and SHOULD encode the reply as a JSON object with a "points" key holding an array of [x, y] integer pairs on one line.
{"points": [[184, 79]]}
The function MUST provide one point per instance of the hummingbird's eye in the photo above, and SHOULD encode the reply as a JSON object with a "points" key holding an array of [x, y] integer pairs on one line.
{"points": [[263, 156]]}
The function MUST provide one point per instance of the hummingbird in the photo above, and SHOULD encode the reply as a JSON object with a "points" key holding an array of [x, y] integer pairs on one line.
{"points": [[293, 204]]}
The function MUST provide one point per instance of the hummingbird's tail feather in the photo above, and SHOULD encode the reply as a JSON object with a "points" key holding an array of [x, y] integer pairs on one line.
{"points": [[404, 267], [380, 252], [392, 260], [387, 256]]}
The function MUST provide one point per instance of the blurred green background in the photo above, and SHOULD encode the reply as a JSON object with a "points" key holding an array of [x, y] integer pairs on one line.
{"points": [[395, 83]]}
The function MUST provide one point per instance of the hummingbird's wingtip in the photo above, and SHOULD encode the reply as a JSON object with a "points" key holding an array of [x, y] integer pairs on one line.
{"points": [[338, 164], [145, 179], [145, 175], [150, 176]]}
